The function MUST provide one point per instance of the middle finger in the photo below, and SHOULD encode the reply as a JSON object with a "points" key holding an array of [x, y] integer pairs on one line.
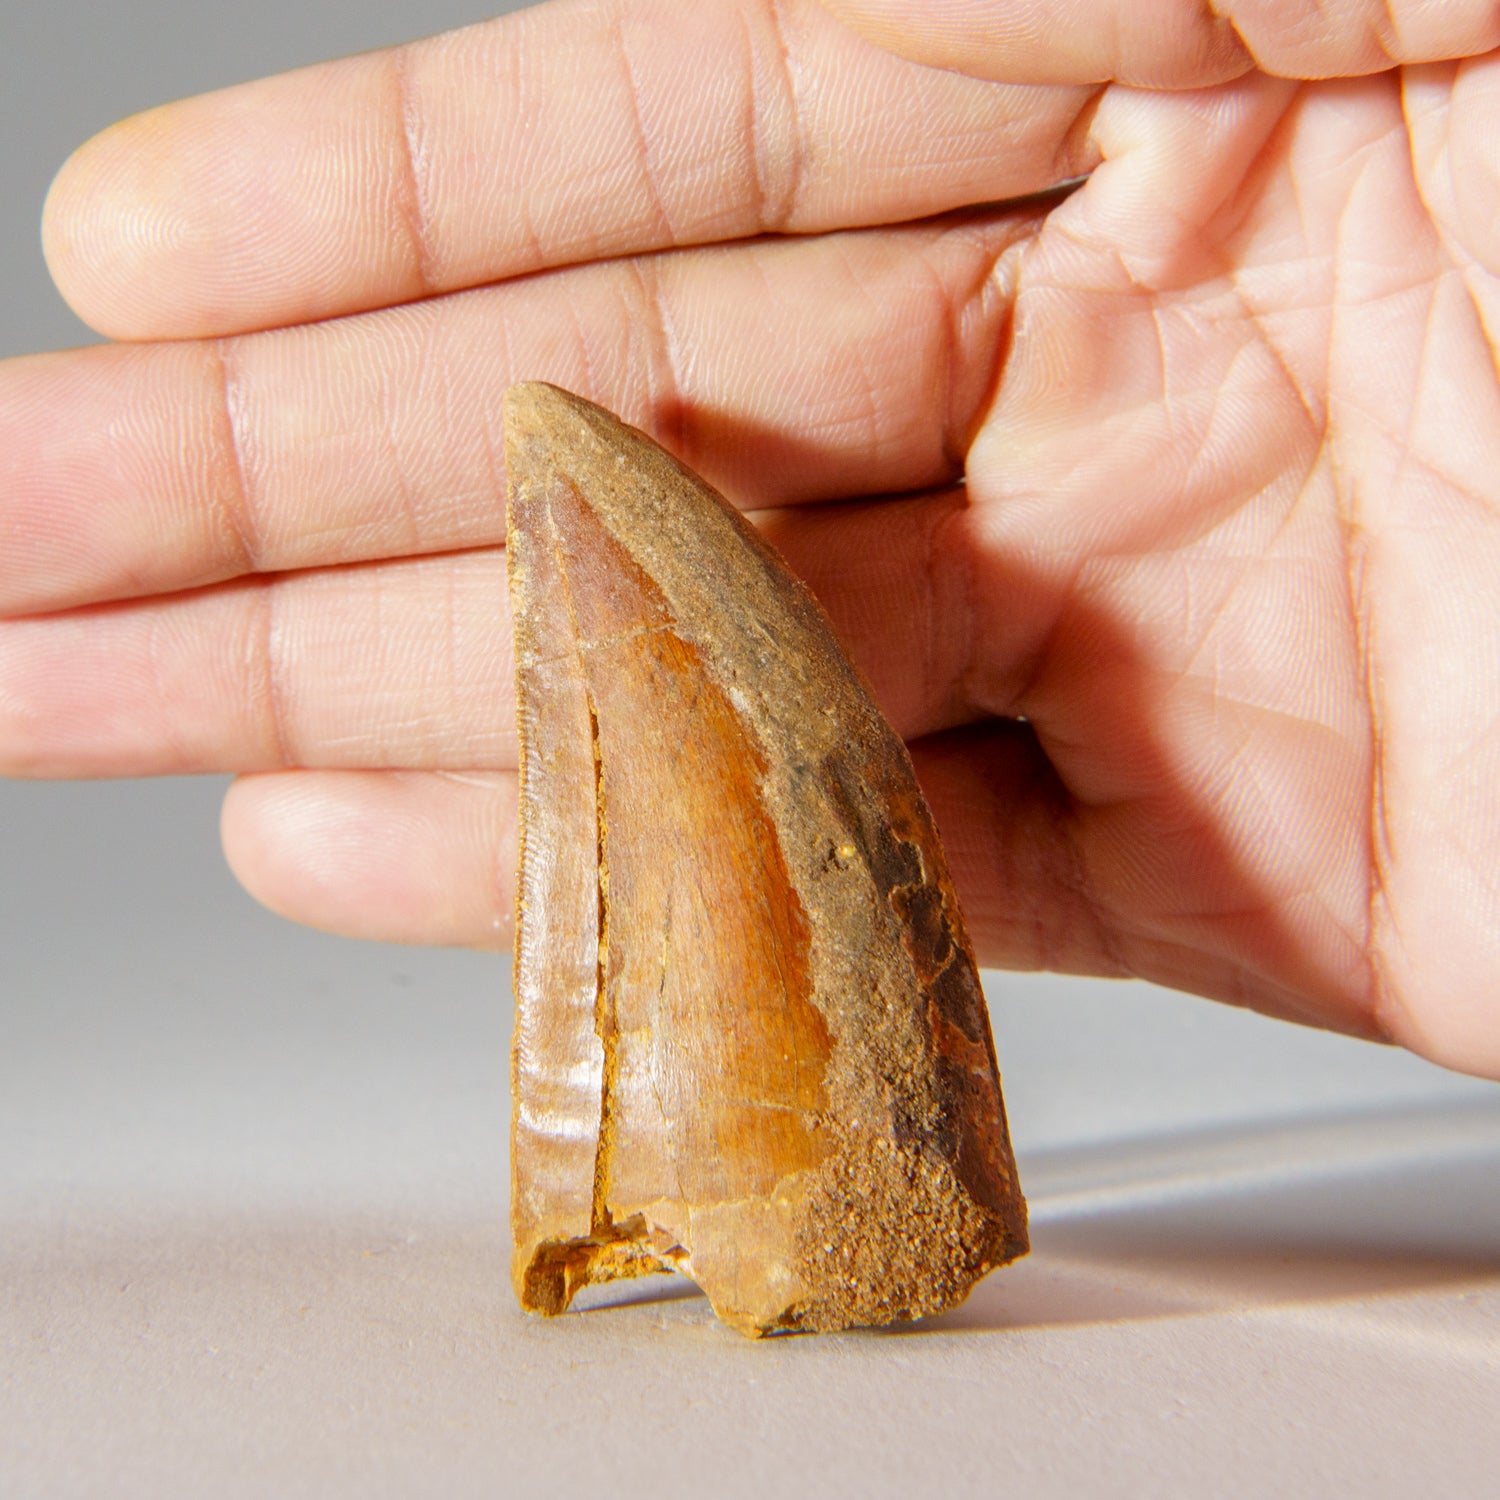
{"points": [[408, 664], [784, 370]]}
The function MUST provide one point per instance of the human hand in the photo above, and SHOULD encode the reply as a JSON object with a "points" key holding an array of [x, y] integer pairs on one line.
{"points": [[1198, 668], [1245, 459]]}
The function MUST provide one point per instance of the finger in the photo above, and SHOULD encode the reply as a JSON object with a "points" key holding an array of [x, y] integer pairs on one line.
{"points": [[574, 131], [426, 857], [409, 663], [430, 857], [420, 857], [1048, 882], [399, 857], [1172, 43], [785, 370], [398, 664]]}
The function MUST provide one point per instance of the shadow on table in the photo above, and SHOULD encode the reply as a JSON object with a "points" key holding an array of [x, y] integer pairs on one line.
{"points": [[1307, 1212], [1304, 1212]]}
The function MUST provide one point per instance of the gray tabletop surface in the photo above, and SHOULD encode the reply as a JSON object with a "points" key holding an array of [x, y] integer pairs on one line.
{"points": [[253, 1179]]}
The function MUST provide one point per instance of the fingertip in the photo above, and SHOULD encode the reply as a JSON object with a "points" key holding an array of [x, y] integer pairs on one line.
{"points": [[301, 849], [402, 857], [106, 223], [246, 820], [259, 206]]}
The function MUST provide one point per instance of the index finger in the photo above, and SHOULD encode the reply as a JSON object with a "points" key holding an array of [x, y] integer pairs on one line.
{"points": [[578, 130]]}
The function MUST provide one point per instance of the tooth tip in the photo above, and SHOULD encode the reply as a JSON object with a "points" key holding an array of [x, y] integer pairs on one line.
{"points": [[533, 403]]}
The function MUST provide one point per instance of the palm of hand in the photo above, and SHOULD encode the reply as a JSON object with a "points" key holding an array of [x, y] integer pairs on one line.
{"points": [[1198, 668], [1242, 468]]}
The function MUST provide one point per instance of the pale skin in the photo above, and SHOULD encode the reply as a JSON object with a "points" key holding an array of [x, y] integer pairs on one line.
{"points": [[1200, 668]]}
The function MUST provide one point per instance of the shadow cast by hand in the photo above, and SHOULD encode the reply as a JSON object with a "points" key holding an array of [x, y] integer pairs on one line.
{"points": [[1318, 1211]]}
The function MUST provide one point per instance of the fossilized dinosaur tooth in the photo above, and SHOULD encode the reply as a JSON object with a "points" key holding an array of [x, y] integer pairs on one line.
{"points": [[751, 1043]]}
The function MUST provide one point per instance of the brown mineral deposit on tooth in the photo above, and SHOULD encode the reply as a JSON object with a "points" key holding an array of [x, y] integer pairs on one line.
{"points": [[750, 1042]]}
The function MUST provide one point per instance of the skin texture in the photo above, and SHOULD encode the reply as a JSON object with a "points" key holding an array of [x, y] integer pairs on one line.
{"points": [[1201, 669]]}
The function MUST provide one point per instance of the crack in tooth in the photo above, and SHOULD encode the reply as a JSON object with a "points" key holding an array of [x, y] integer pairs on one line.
{"points": [[605, 1023]]}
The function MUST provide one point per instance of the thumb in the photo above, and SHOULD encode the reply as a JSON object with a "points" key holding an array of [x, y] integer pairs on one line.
{"points": [[1172, 44]]}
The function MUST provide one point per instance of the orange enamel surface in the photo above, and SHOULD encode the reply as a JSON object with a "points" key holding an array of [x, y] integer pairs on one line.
{"points": [[751, 1042]]}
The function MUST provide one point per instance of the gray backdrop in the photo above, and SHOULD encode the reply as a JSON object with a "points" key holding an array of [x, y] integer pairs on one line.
{"points": [[252, 1179]]}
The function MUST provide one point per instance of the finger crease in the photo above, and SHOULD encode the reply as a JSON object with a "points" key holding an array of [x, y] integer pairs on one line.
{"points": [[633, 98], [233, 502], [1077, 154], [874, 439], [413, 206], [948, 314], [268, 688], [949, 585], [1075, 877], [664, 364], [1378, 833], [778, 171], [1222, 17], [1388, 36]]}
